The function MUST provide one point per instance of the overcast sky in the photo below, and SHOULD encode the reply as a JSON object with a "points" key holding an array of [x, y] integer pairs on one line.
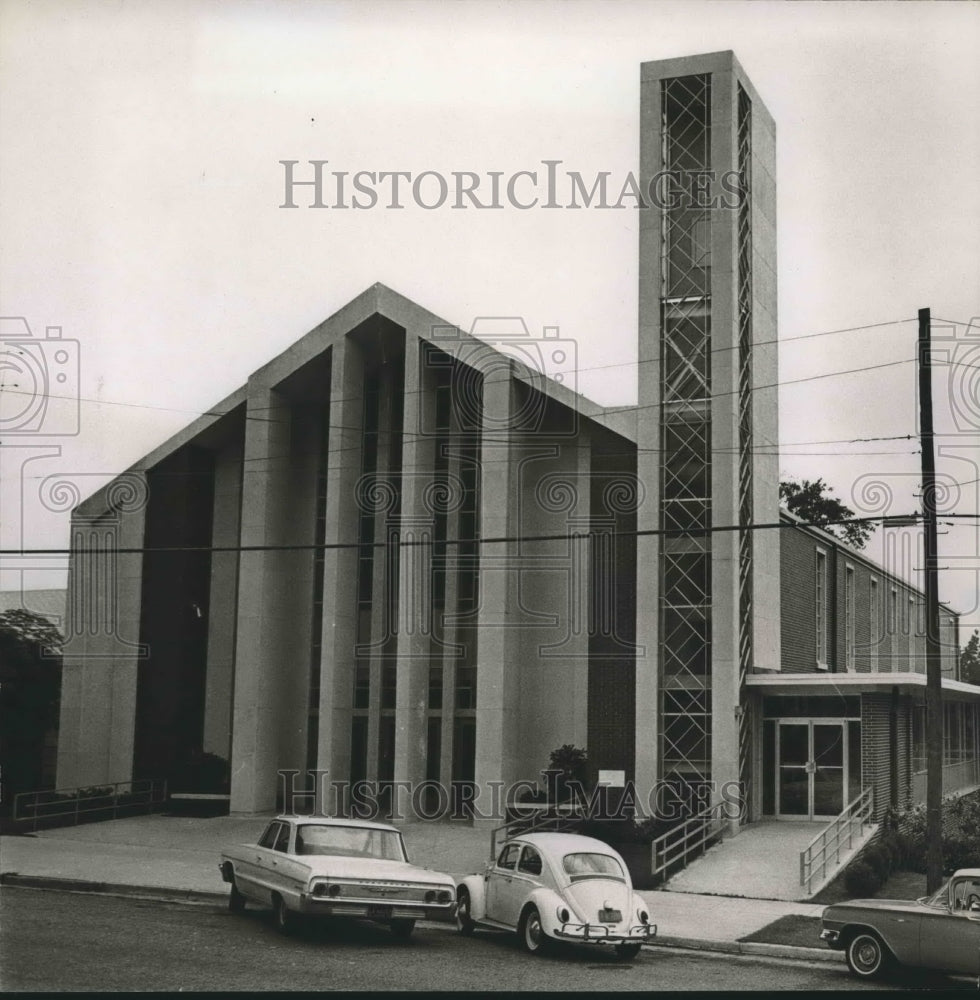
{"points": [[141, 184]]}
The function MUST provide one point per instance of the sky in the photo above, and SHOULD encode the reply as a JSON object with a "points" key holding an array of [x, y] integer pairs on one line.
{"points": [[141, 185]]}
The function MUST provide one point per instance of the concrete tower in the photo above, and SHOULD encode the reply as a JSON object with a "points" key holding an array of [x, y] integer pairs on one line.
{"points": [[707, 425]]}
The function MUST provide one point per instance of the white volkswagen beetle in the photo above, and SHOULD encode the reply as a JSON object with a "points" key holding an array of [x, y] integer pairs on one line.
{"points": [[557, 886]]}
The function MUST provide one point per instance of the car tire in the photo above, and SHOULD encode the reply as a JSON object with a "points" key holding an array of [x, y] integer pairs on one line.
{"points": [[531, 933], [464, 922], [867, 955], [236, 901], [402, 927], [282, 916], [627, 952]]}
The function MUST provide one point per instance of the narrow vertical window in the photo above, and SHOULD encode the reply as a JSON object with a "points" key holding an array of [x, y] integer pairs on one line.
{"points": [[849, 618], [874, 630], [820, 603]]}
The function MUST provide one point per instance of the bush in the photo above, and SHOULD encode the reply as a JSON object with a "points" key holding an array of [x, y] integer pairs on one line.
{"points": [[961, 834], [861, 880], [879, 860]]}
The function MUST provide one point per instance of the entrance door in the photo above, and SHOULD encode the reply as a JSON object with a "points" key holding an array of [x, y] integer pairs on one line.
{"points": [[811, 772]]}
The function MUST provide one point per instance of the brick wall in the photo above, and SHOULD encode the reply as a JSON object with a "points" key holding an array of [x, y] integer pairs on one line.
{"points": [[896, 646]]}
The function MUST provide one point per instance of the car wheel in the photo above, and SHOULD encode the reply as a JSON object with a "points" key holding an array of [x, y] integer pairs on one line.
{"points": [[627, 952], [236, 901], [464, 922], [867, 956], [402, 927], [532, 933], [283, 917]]}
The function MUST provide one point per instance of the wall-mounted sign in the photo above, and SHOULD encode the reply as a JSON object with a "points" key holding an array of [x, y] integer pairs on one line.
{"points": [[612, 779]]}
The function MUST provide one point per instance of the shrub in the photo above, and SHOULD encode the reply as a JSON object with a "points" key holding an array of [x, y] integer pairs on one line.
{"points": [[879, 860], [961, 834], [891, 844], [860, 879]]}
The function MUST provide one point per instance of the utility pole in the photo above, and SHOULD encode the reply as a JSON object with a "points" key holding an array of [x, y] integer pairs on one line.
{"points": [[934, 691]]}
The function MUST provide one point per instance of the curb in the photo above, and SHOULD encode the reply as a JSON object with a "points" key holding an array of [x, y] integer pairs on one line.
{"points": [[162, 893], [159, 892], [757, 948]]}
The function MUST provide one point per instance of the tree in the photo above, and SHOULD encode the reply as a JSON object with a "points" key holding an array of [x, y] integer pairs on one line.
{"points": [[815, 503], [970, 660], [30, 687]]}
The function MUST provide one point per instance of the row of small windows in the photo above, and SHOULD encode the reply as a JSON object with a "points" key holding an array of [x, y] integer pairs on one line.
{"points": [[904, 623]]}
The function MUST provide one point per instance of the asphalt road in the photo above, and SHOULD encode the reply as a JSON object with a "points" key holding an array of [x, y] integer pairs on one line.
{"points": [[67, 941]]}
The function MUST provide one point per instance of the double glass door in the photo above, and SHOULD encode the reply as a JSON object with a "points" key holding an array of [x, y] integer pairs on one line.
{"points": [[811, 776]]}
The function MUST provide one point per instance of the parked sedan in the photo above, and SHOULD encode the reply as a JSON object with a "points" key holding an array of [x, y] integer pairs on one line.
{"points": [[941, 931], [337, 868], [557, 886]]}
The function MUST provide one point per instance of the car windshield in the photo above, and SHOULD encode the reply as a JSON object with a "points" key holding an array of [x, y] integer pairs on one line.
{"points": [[939, 898], [591, 866], [350, 842]]}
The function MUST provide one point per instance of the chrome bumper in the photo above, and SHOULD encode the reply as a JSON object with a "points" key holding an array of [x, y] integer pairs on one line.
{"points": [[830, 935], [325, 906], [604, 934]]}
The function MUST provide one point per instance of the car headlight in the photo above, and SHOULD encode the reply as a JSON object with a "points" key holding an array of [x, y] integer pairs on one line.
{"points": [[643, 915], [445, 896], [563, 915]]}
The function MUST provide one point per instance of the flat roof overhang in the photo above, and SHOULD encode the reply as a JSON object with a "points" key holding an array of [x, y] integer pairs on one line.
{"points": [[790, 684]]}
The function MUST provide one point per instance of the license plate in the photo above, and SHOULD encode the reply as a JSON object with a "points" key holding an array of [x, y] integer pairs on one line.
{"points": [[379, 912], [610, 916]]}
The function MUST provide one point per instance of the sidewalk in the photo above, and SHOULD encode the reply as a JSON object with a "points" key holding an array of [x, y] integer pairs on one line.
{"points": [[175, 855]]}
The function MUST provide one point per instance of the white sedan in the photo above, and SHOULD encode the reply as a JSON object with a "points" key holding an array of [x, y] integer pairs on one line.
{"points": [[337, 868], [557, 886]]}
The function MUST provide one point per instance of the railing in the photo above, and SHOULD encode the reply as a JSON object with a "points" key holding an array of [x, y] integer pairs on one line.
{"points": [[689, 839], [816, 856], [539, 818], [74, 803]]}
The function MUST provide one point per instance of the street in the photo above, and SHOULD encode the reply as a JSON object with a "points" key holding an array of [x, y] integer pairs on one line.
{"points": [[65, 941]]}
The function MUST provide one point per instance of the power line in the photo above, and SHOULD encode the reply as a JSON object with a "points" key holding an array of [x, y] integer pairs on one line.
{"points": [[428, 542], [625, 364]]}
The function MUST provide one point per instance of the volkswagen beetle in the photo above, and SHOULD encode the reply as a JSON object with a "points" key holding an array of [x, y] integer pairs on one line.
{"points": [[557, 887], [941, 931]]}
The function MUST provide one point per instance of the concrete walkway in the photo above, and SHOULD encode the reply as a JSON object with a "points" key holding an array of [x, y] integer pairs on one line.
{"points": [[762, 861]]}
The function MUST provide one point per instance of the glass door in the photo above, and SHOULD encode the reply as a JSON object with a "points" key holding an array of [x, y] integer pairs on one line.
{"points": [[811, 773], [828, 777], [793, 775]]}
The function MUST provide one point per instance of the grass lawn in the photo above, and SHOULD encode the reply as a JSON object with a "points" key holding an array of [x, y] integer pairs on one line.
{"points": [[801, 931], [805, 931], [900, 885]]}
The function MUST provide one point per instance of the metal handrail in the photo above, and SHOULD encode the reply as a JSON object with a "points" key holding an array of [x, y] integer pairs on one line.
{"points": [[542, 817], [816, 855], [55, 803], [688, 837]]}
